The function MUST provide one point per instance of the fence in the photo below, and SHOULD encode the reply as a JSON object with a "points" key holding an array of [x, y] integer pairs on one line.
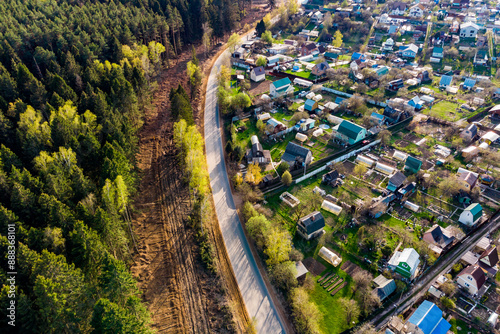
{"points": [[282, 133], [339, 93], [341, 158]]}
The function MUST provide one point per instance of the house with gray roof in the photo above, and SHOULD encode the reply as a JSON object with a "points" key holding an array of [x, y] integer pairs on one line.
{"points": [[405, 262], [296, 153], [258, 74], [384, 286], [438, 239], [311, 226]]}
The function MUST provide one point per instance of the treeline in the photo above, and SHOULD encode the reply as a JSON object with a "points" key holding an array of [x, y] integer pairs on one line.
{"points": [[74, 77]]}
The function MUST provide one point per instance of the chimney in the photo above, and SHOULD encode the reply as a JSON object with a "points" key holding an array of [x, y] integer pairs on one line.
{"points": [[312, 218]]}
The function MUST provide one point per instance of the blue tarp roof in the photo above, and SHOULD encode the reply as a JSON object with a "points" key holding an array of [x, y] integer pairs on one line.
{"points": [[309, 104], [469, 83], [339, 100], [377, 116], [356, 55], [445, 80], [429, 318]]}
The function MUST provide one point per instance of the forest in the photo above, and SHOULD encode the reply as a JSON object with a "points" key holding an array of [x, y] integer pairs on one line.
{"points": [[75, 77]]}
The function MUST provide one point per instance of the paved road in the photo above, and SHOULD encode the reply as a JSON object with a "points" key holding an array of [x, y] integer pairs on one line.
{"points": [[424, 282], [253, 289]]}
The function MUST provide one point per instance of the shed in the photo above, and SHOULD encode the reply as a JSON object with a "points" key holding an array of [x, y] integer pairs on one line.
{"points": [[264, 117], [331, 207], [301, 272], [492, 320], [330, 256], [384, 286]]}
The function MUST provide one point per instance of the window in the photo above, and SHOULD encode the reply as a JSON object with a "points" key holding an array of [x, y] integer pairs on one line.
{"points": [[467, 284], [470, 278]]}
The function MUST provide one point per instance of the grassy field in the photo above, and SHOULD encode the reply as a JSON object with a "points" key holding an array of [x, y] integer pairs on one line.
{"points": [[464, 328], [444, 110]]}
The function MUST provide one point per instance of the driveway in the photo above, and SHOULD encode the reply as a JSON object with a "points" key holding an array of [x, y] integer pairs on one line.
{"points": [[253, 289]]}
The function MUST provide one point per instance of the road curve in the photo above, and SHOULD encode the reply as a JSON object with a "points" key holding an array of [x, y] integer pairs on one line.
{"points": [[251, 284]]}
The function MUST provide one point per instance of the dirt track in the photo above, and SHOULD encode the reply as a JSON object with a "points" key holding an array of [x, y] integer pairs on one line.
{"points": [[182, 296]]}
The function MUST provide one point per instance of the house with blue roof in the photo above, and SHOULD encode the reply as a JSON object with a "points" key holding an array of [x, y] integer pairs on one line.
{"points": [[281, 87], [416, 103], [331, 55], [340, 100], [310, 105], [357, 55], [377, 118], [445, 81], [428, 318], [437, 52], [469, 83], [349, 132]]}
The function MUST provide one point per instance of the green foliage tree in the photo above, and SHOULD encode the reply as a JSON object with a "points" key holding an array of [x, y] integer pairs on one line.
{"points": [[261, 61], [278, 246], [305, 313], [267, 37], [286, 177], [233, 41]]}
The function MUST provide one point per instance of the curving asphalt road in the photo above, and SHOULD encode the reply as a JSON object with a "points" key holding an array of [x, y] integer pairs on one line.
{"points": [[253, 289]]}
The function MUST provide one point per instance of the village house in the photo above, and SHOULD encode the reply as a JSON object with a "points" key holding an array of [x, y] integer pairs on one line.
{"points": [[417, 11], [471, 278], [468, 30], [409, 51], [398, 8], [388, 45], [311, 226], [349, 132], [405, 262], [488, 260], [310, 105], [384, 287], [439, 239], [257, 154], [258, 74], [468, 180], [445, 81], [274, 126], [317, 17], [296, 153], [427, 319], [396, 181], [471, 215], [320, 69], [437, 52], [308, 49], [481, 58], [469, 133], [412, 164], [281, 87]]}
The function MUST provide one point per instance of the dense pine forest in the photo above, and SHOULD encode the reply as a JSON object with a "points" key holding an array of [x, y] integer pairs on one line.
{"points": [[75, 76]]}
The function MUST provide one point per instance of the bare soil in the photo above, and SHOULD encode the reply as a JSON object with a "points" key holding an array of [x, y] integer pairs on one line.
{"points": [[181, 295]]}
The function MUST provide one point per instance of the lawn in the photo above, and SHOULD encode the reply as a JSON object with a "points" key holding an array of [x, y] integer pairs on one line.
{"points": [[333, 319], [444, 110], [464, 328], [303, 74]]}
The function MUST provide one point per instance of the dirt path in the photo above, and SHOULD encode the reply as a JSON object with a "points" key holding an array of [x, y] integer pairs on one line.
{"points": [[182, 296]]}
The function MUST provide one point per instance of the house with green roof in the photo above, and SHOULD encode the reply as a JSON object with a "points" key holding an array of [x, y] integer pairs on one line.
{"points": [[471, 215], [281, 87], [405, 262], [413, 164], [349, 132]]}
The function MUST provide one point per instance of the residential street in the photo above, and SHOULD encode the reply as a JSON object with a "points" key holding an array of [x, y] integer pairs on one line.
{"points": [[423, 283], [251, 283]]}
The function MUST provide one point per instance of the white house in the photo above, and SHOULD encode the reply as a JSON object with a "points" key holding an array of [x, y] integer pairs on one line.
{"points": [[388, 44], [281, 87], [384, 19], [471, 215], [258, 74], [469, 30], [317, 17], [471, 278], [417, 11], [409, 51]]}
